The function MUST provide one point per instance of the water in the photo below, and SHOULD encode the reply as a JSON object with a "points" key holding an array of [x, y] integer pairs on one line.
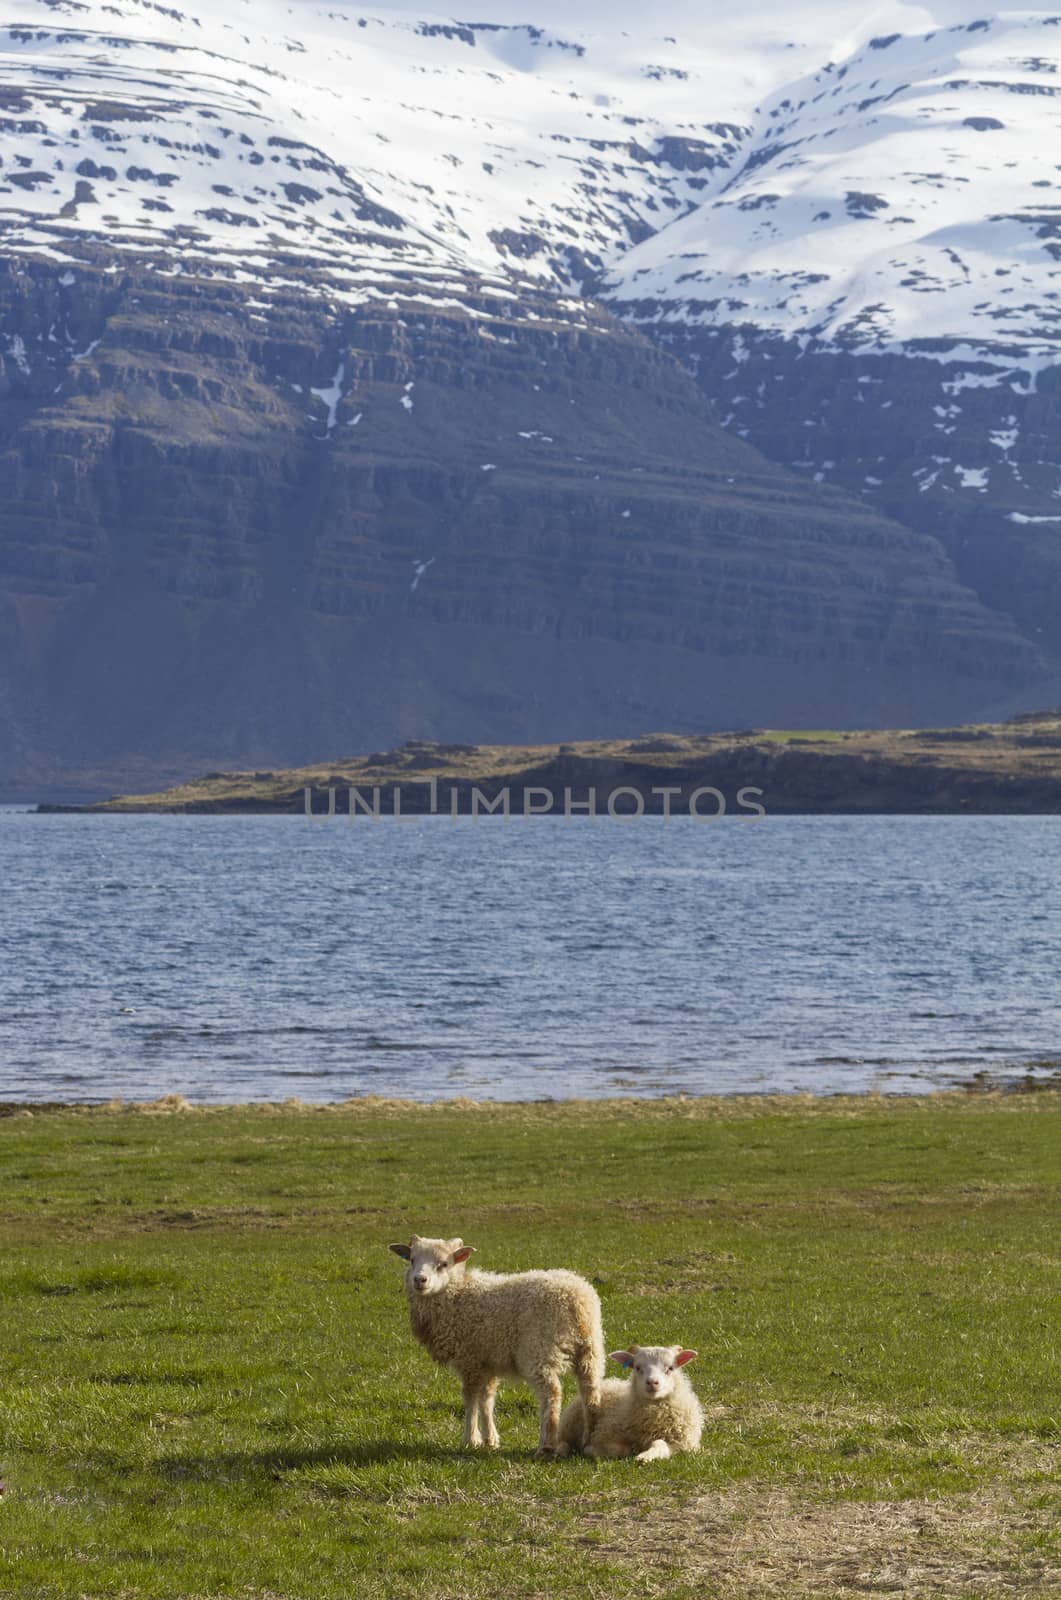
{"points": [[235, 958]]}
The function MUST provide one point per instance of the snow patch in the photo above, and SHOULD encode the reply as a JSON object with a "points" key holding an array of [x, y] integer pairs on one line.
{"points": [[16, 346], [330, 396], [419, 568]]}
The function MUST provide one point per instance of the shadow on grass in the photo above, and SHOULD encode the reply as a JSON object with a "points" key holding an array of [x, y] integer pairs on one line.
{"points": [[277, 1463]]}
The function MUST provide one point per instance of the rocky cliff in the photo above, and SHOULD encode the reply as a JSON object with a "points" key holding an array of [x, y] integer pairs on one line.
{"points": [[233, 533], [315, 436]]}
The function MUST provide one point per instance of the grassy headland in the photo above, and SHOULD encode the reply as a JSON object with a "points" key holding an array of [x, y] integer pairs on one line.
{"points": [[1012, 767], [209, 1387]]}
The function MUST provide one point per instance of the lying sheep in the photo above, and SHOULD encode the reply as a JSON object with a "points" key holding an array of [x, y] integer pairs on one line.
{"points": [[531, 1325], [652, 1415]]}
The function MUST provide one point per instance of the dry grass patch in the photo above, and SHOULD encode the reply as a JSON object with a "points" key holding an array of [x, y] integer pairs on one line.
{"points": [[758, 1540]]}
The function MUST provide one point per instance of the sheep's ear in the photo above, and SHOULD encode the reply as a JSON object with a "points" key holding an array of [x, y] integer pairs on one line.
{"points": [[683, 1356], [463, 1253], [625, 1358], [402, 1250]]}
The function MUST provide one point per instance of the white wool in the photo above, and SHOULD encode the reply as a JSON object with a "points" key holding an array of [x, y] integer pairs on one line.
{"points": [[651, 1415], [487, 1326]]}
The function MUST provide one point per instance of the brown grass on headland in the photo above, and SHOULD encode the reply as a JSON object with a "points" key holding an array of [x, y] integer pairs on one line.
{"points": [[1004, 766]]}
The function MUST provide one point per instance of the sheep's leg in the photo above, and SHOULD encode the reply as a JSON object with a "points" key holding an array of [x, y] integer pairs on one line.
{"points": [[658, 1450], [486, 1415], [587, 1364], [550, 1396], [471, 1389]]}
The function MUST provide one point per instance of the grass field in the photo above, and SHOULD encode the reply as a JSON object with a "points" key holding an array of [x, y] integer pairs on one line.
{"points": [[209, 1388]]}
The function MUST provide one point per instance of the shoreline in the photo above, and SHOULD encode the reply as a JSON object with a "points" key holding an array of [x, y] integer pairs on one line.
{"points": [[833, 813], [175, 1104]]}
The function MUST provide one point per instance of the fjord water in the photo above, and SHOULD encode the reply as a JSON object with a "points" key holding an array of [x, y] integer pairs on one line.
{"points": [[238, 958]]}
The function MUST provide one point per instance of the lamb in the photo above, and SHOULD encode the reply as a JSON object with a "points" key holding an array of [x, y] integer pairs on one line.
{"points": [[486, 1326], [652, 1415]]}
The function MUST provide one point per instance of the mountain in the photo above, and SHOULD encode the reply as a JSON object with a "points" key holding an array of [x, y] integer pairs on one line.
{"points": [[872, 295], [373, 376]]}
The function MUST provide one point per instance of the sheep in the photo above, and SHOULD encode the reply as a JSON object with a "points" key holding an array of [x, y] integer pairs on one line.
{"points": [[651, 1415], [486, 1326]]}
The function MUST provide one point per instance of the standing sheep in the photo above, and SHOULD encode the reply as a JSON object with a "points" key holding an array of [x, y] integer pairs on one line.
{"points": [[530, 1325], [652, 1415]]}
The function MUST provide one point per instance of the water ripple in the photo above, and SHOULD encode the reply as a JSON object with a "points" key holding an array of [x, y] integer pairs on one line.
{"points": [[256, 957]]}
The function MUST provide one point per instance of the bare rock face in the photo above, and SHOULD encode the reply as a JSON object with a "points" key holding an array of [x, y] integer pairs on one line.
{"points": [[240, 534], [962, 449]]}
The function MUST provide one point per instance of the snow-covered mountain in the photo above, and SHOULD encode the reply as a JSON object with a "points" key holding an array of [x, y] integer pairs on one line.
{"points": [[904, 198], [306, 224], [248, 131], [901, 202]]}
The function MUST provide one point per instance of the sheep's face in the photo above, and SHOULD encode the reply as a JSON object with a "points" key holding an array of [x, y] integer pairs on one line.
{"points": [[432, 1263], [653, 1368]]}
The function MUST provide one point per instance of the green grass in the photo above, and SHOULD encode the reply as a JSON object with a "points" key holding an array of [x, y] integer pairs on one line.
{"points": [[209, 1387]]}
